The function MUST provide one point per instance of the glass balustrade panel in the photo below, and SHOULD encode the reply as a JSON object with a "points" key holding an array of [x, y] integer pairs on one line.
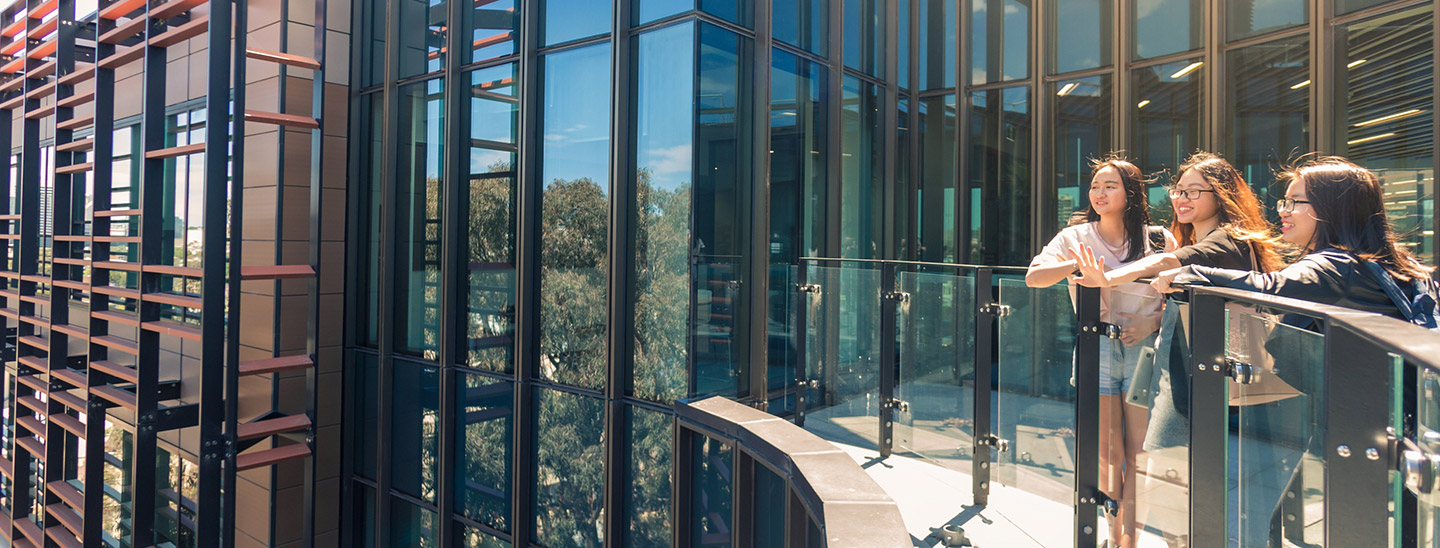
{"points": [[1276, 463], [936, 346], [843, 355]]}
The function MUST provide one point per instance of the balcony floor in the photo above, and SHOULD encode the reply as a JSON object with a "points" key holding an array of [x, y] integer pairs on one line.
{"points": [[1029, 504]]}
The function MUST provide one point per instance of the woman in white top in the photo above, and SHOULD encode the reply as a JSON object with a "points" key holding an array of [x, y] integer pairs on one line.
{"points": [[1116, 227]]}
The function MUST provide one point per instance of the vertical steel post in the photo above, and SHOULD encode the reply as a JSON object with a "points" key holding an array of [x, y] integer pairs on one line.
{"points": [[1208, 421], [454, 278], [527, 286], [220, 288], [1087, 415], [889, 299], [102, 181], [985, 329], [801, 334], [1356, 449]]}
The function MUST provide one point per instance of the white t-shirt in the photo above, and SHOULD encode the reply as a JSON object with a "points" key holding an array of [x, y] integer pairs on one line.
{"points": [[1132, 298]]}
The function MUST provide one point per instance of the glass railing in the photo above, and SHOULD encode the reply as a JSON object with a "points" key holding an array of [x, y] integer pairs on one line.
{"points": [[1301, 424]]}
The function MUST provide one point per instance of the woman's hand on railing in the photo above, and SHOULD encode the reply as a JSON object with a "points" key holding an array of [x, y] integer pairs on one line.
{"points": [[1164, 281], [1092, 268]]}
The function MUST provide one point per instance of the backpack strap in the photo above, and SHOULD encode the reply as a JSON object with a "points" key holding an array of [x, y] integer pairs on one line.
{"points": [[1420, 309]]}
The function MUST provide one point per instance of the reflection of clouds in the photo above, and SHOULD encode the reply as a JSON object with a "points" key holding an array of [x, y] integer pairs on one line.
{"points": [[669, 161], [553, 137], [1144, 8], [1011, 9], [575, 128], [481, 159]]}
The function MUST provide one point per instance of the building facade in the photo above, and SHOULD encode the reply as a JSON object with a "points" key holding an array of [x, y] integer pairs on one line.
{"points": [[640, 180]]}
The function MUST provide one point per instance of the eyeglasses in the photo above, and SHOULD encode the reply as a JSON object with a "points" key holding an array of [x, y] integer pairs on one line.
{"points": [[1188, 193], [1286, 205]]}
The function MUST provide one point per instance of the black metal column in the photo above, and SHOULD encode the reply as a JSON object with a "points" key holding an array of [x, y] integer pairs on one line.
{"points": [[1356, 448], [801, 295], [527, 286], [889, 299], [1208, 422], [985, 321], [1087, 415], [215, 453]]}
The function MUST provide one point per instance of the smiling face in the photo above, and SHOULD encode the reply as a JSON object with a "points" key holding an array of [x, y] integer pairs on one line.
{"points": [[1107, 192], [1298, 227], [1201, 209]]}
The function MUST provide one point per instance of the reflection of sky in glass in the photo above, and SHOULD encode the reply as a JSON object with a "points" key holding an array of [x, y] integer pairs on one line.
{"points": [[665, 101], [1259, 16], [566, 20], [1080, 42], [492, 116], [434, 122], [937, 72], [651, 10], [1163, 27], [493, 34], [1015, 57], [576, 125]]}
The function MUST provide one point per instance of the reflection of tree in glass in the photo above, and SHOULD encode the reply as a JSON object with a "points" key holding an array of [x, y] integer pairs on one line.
{"points": [[483, 477], [648, 507], [662, 289], [574, 223], [491, 258], [570, 489]]}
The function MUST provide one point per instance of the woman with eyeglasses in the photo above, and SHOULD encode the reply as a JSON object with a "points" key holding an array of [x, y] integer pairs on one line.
{"points": [[1334, 210], [1219, 223], [1116, 226]]}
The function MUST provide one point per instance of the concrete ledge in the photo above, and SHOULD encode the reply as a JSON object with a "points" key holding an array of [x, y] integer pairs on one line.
{"points": [[853, 510]]}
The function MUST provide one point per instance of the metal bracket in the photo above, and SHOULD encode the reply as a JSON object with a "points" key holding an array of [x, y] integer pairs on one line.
{"points": [[995, 309], [1241, 372], [1109, 330], [811, 384], [893, 403], [807, 288], [1417, 464], [991, 440], [897, 296]]}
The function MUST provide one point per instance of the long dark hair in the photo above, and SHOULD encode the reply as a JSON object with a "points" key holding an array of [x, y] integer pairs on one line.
{"points": [[1348, 202], [1240, 213], [1137, 207]]}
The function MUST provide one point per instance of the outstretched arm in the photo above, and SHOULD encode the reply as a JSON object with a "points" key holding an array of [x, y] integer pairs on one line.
{"points": [[1048, 273]]}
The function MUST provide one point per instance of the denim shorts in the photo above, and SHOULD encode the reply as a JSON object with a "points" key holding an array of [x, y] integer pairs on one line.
{"points": [[1117, 364]]}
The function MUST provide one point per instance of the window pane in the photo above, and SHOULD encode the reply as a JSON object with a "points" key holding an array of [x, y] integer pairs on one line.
{"points": [[422, 37], [484, 413], [493, 28], [490, 211], [651, 10], [1163, 27], [363, 521], [734, 11], [865, 36], [570, 465], [419, 170], [1166, 126], [862, 165], [1000, 177], [769, 510], [711, 500], [999, 40], [1083, 30], [935, 193], [1346, 6], [801, 23], [664, 138], [1389, 125], [369, 179], [411, 525], [475, 538], [902, 55], [1269, 102], [1256, 17], [566, 20], [370, 43], [575, 215], [798, 134], [415, 420], [723, 155], [937, 44], [1081, 133], [647, 508], [364, 412]]}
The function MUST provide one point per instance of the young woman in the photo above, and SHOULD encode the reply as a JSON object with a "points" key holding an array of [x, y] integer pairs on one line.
{"points": [[1219, 223], [1334, 211], [1117, 227]]}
